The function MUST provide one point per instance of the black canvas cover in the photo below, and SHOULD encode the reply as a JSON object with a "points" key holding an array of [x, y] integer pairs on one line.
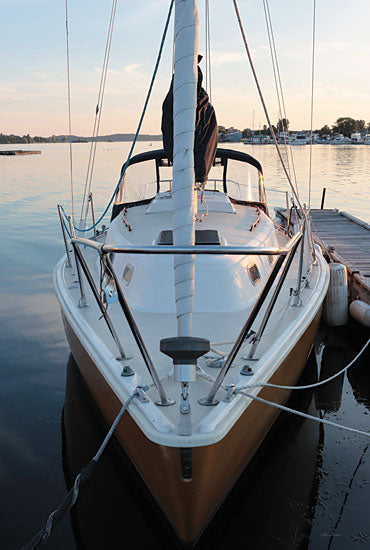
{"points": [[206, 131]]}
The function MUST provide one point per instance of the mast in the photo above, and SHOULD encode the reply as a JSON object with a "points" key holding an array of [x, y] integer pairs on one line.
{"points": [[183, 198]]}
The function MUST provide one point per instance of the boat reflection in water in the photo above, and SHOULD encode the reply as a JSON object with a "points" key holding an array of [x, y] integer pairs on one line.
{"points": [[359, 377], [275, 497], [332, 354], [111, 507]]}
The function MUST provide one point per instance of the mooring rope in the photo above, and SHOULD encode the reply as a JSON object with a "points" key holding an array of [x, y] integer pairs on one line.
{"points": [[300, 413], [81, 480], [241, 390], [309, 386]]}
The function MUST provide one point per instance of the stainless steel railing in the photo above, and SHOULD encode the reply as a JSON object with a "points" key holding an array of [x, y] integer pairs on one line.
{"points": [[284, 254]]}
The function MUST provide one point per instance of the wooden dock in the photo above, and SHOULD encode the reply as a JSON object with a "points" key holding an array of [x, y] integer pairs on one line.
{"points": [[346, 240], [20, 152]]}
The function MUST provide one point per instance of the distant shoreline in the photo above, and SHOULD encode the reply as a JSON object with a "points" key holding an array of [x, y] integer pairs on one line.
{"points": [[13, 139]]}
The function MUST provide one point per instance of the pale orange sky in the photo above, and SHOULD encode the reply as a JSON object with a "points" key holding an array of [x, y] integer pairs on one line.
{"points": [[33, 91]]}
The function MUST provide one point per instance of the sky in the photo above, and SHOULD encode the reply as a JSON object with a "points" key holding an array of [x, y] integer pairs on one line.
{"points": [[33, 81]]}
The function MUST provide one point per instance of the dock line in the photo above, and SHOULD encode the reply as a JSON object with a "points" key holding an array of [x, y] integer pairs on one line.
{"points": [[308, 386], [81, 479], [304, 415]]}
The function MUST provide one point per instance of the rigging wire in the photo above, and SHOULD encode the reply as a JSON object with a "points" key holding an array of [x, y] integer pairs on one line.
{"points": [[282, 95], [208, 50], [206, 38], [269, 31], [264, 104], [123, 172], [312, 88], [279, 91], [98, 111], [69, 113]]}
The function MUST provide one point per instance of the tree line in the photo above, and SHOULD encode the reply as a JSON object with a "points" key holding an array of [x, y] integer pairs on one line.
{"points": [[343, 125], [346, 126], [12, 138]]}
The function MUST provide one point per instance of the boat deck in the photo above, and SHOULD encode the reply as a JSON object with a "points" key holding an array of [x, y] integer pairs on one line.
{"points": [[220, 325]]}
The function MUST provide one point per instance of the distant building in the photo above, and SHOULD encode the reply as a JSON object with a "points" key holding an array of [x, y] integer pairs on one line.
{"points": [[232, 135]]}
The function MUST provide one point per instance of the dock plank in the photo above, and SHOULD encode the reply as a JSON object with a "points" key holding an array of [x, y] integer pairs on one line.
{"points": [[345, 239], [14, 152]]}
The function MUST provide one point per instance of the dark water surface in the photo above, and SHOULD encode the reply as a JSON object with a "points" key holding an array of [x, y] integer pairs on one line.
{"points": [[308, 487]]}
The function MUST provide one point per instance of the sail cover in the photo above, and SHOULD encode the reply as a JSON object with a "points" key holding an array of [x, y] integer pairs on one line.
{"points": [[206, 130]]}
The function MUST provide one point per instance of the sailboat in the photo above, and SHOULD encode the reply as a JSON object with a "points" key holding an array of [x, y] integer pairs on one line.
{"points": [[191, 301], [290, 453]]}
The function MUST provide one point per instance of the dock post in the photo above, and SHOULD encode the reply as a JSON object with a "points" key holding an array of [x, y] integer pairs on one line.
{"points": [[323, 198]]}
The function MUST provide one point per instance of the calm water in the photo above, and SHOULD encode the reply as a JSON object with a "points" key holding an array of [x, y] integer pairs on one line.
{"points": [[308, 487]]}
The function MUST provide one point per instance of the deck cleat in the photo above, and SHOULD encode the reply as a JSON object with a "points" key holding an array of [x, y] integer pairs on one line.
{"points": [[230, 393]]}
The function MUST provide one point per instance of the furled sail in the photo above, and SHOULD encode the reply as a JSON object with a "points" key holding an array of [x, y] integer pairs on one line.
{"points": [[184, 111], [205, 133]]}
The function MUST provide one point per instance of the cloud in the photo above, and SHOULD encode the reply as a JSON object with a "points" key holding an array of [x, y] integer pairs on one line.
{"points": [[110, 71], [225, 58], [330, 47], [131, 68], [220, 58]]}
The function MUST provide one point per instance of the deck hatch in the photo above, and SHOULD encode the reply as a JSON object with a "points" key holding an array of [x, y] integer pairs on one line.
{"points": [[202, 237]]}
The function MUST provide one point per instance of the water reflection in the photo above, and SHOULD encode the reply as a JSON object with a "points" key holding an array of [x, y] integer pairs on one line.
{"points": [[32, 378], [276, 495], [332, 355], [304, 489], [115, 507], [340, 519], [359, 378]]}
